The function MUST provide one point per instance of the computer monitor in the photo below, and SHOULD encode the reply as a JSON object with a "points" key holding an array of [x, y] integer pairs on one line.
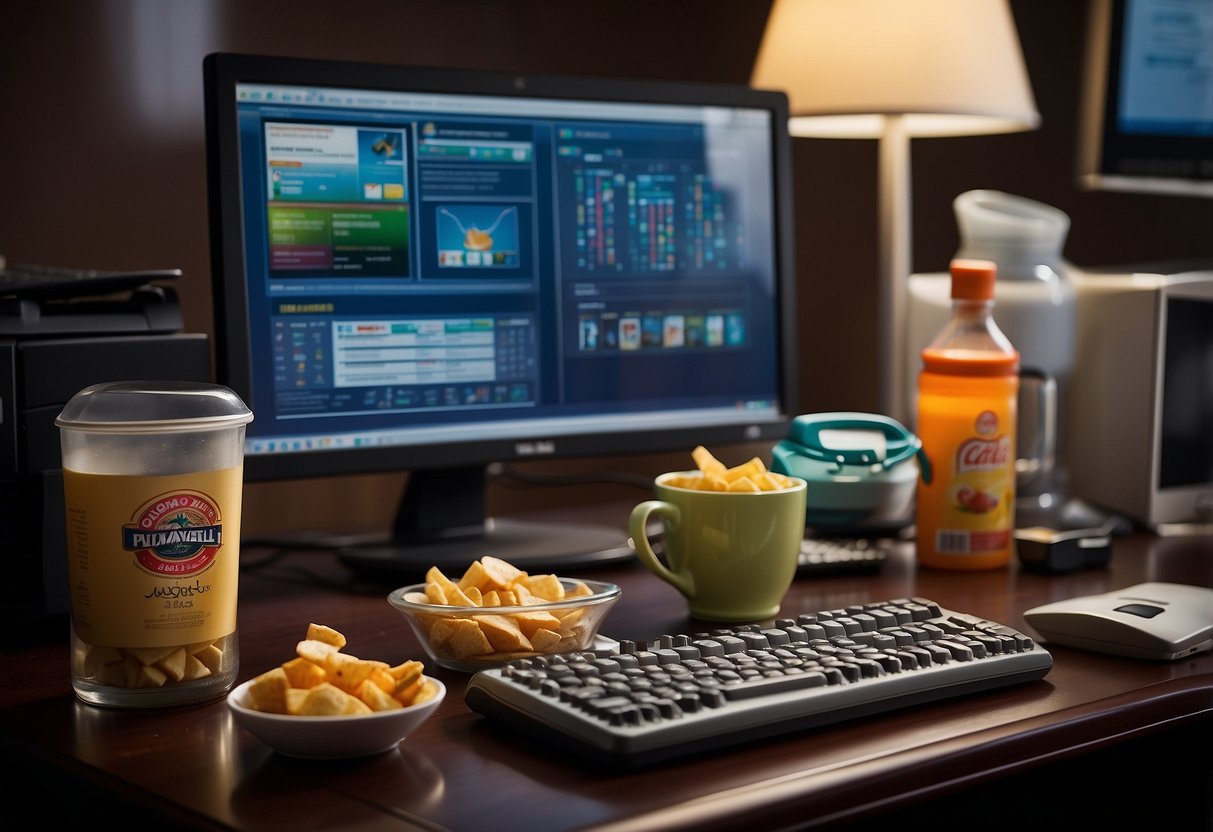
{"points": [[1148, 97], [435, 270]]}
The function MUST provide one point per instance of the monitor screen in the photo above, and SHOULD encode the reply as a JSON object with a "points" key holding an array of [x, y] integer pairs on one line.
{"points": [[1148, 122], [434, 270]]}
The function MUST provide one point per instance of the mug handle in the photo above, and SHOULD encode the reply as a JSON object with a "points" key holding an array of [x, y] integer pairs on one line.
{"points": [[638, 529]]}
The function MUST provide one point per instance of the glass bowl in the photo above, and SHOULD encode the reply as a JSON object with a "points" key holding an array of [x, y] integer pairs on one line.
{"points": [[473, 638]]}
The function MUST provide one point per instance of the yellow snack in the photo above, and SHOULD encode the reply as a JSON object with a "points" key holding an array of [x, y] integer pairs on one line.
{"points": [[501, 575], [376, 698], [302, 673], [324, 700], [748, 469], [120, 666], [475, 576], [348, 672], [150, 655], [547, 587], [314, 651], [579, 590], [406, 673], [706, 462], [428, 691], [749, 477], [503, 633], [268, 691], [195, 669], [545, 639], [490, 583], [447, 589], [210, 656], [383, 679], [150, 676], [173, 665], [355, 706], [468, 639], [320, 680], [294, 700], [319, 632]]}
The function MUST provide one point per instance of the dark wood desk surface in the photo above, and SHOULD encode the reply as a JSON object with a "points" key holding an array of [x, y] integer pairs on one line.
{"points": [[194, 767]]}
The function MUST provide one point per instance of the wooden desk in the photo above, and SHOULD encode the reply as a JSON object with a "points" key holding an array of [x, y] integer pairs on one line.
{"points": [[192, 767]]}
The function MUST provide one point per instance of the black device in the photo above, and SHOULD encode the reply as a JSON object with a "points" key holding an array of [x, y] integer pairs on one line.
{"points": [[833, 555], [39, 301], [37, 377], [637, 703], [1057, 551], [435, 270]]}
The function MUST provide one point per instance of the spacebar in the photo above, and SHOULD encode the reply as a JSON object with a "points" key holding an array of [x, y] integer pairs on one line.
{"points": [[767, 685]]}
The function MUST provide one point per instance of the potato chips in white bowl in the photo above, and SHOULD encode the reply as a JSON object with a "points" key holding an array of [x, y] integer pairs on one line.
{"points": [[330, 737], [326, 703]]}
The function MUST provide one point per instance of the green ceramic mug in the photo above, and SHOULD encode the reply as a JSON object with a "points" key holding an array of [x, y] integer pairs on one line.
{"points": [[731, 554]]}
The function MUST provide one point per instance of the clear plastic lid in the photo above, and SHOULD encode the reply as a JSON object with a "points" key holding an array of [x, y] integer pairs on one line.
{"points": [[153, 407]]}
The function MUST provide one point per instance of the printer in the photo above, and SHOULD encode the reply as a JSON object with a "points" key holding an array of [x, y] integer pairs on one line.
{"points": [[50, 348]]}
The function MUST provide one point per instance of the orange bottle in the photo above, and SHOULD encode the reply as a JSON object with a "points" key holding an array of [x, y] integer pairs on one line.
{"points": [[967, 394]]}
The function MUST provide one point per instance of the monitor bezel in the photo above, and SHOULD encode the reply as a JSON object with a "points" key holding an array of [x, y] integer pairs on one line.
{"points": [[224, 71]]}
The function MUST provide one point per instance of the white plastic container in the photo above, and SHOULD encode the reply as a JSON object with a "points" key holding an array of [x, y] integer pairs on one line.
{"points": [[1035, 291], [153, 480]]}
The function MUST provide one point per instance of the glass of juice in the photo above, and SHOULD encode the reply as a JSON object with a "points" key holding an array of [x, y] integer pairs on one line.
{"points": [[153, 479]]}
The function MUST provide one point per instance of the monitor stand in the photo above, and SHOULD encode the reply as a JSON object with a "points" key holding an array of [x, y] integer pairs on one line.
{"points": [[441, 522]]}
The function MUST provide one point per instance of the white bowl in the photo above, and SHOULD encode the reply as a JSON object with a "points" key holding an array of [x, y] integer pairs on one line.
{"points": [[330, 737]]}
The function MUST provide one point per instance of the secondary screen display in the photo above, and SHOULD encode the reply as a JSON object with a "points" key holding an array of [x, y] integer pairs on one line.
{"points": [[425, 268]]}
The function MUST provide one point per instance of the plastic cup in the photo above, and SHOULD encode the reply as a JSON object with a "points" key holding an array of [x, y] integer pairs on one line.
{"points": [[153, 479]]}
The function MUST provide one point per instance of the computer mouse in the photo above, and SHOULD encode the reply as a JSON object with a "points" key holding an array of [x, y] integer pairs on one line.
{"points": [[1145, 621]]}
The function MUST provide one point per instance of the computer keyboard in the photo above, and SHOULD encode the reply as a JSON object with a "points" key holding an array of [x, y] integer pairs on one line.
{"points": [[634, 704], [821, 556]]}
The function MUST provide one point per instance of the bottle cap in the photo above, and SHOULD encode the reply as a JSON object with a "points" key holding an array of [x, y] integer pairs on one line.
{"points": [[973, 279]]}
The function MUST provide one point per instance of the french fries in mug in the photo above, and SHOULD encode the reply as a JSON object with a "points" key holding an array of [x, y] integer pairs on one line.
{"points": [[714, 475]]}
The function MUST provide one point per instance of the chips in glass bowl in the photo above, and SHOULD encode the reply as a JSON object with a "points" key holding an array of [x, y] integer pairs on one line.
{"points": [[495, 613]]}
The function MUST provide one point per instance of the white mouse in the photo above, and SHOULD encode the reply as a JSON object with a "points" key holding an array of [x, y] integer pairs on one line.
{"points": [[1145, 621]]}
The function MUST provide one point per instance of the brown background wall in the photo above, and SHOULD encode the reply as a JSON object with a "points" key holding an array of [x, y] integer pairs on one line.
{"points": [[102, 159]]}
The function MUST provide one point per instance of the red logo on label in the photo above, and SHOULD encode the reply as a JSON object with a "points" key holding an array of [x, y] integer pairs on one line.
{"points": [[987, 423], [983, 454], [175, 534]]}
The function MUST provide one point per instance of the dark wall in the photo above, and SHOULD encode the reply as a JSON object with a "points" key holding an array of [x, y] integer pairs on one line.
{"points": [[102, 161]]}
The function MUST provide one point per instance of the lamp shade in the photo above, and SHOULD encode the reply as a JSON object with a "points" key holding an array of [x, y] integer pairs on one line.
{"points": [[947, 67]]}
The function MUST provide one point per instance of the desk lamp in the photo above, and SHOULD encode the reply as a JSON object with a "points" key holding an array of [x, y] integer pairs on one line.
{"points": [[893, 70]]}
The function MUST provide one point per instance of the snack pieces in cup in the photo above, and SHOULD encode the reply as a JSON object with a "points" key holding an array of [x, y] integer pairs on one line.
{"points": [[153, 479]]}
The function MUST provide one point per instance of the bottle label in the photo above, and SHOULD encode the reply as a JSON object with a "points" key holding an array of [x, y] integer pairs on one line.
{"points": [[153, 560], [978, 506]]}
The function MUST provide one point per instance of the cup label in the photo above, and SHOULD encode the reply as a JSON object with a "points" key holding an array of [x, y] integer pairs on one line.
{"points": [[153, 561], [177, 533]]}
